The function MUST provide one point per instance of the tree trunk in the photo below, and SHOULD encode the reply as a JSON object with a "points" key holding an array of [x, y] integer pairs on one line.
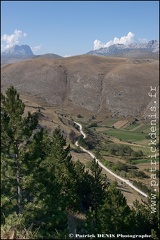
{"points": [[19, 189]]}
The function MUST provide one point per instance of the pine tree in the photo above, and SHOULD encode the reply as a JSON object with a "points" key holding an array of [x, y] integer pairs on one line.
{"points": [[51, 199], [60, 159], [147, 221], [83, 187], [98, 185], [31, 191], [114, 215], [19, 141]]}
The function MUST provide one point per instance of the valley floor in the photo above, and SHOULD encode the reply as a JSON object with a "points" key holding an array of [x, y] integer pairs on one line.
{"points": [[52, 117]]}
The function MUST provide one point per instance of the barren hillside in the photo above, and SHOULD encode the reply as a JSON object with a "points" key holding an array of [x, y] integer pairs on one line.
{"points": [[100, 85]]}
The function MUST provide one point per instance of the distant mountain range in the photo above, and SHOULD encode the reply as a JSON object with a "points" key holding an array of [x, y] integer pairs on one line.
{"points": [[48, 55], [139, 50], [16, 50], [148, 50], [18, 53]]}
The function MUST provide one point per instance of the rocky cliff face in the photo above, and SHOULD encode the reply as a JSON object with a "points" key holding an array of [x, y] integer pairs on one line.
{"points": [[102, 85]]}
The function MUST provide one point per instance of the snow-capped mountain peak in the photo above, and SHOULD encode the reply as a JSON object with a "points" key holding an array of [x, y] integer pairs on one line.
{"points": [[152, 47]]}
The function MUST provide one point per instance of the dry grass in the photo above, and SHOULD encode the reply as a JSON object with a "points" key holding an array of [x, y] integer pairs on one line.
{"points": [[120, 124], [85, 83]]}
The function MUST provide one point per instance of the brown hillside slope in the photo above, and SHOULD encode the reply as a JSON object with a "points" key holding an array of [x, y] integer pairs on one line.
{"points": [[102, 85]]}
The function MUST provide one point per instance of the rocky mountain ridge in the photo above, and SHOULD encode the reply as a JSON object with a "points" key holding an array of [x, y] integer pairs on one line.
{"points": [[148, 50], [16, 50], [18, 53], [152, 47]]}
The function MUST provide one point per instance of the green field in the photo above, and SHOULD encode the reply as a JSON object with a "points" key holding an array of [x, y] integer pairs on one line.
{"points": [[145, 128], [146, 150], [125, 135], [135, 135], [143, 161], [109, 122], [132, 126]]}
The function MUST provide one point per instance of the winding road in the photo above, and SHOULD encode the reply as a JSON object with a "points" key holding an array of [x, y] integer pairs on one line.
{"points": [[100, 164]]}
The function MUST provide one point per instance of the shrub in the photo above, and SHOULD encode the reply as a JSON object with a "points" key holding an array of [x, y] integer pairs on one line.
{"points": [[72, 136], [140, 153], [141, 186], [79, 116], [134, 154], [92, 125]]}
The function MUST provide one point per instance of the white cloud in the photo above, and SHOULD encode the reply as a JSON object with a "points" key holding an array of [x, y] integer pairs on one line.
{"points": [[98, 44], [8, 41], [36, 48], [126, 40]]}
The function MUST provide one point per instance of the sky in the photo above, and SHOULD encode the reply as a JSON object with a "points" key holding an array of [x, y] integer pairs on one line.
{"points": [[69, 28]]}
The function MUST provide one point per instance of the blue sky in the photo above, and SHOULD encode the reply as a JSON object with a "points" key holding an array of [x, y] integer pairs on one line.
{"points": [[72, 27]]}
